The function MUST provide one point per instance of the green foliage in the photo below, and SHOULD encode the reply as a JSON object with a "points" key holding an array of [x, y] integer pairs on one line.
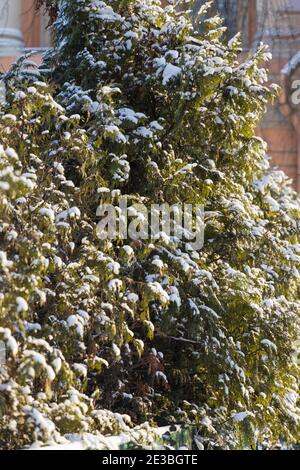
{"points": [[133, 100]]}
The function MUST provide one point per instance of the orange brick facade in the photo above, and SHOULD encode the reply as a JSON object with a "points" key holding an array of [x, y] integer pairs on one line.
{"points": [[24, 27], [279, 127], [30, 24], [277, 23]]}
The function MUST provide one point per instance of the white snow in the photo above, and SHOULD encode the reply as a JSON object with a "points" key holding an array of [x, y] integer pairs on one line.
{"points": [[22, 305], [239, 417], [81, 369], [144, 132], [128, 250], [115, 285], [116, 350], [159, 291], [72, 213], [56, 364], [269, 344], [10, 117], [161, 377], [4, 262], [113, 131], [47, 212], [77, 322], [41, 421], [106, 13], [174, 296], [132, 297], [127, 114], [31, 90], [4, 186], [158, 263], [12, 345], [20, 95], [170, 72]]}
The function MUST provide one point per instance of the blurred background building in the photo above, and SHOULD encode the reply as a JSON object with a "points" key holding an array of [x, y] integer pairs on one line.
{"points": [[21, 27], [275, 22]]}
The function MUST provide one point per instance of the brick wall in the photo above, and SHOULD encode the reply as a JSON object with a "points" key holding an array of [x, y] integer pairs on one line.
{"points": [[282, 33], [277, 23]]}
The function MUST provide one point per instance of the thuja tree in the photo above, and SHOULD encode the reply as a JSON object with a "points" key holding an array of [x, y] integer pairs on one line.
{"points": [[138, 100]]}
